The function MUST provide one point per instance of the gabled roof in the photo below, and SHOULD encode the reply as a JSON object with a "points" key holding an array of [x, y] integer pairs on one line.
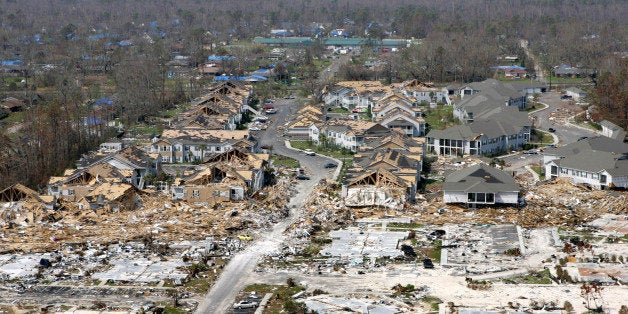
{"points": [[595, 154], [18, 192], [379, 177], [480, 178]]}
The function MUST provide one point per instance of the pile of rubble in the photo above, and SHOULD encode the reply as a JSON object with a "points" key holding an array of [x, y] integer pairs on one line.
{"points": [[30, 228]]}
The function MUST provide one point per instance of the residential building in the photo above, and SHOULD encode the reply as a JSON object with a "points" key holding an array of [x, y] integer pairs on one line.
{"points": [[480, 184], [423, 92], [599, 162], [191, 145], [610, 129], [350, 134], [575, 93], [506, 129]]}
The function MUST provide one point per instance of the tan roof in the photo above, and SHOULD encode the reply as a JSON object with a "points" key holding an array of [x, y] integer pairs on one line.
{"points": [[205, 134], [54, 180], [111, 191], [365, 86], [358, 126]]}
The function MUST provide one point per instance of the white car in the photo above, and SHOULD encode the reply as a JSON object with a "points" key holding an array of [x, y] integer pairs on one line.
{"points": [[245, 305], [310, 152]]}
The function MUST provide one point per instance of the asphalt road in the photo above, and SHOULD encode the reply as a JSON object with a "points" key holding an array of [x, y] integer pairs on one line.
{"points": [[565, 133], [241, 266]]}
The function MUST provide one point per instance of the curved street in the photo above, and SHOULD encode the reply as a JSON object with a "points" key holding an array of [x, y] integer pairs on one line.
{"points": [[241, 266]]}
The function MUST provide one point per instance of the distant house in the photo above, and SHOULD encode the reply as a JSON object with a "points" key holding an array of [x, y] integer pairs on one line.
{"points": [[565, 70], [599, 162], [610, 129], [575, 93], [480, 185]]}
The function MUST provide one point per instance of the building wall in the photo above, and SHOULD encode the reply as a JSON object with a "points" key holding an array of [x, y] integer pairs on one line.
{"points": [[507, 197], [454, 197]]}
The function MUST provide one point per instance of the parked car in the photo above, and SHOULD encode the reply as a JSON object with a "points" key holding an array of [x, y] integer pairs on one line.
{"points": [[531, 152], [245, 305], [309, 152], [582, 138], [428, 264], [552, 130], [271, 111], [302, 177], [566, 97], [330, 165]]}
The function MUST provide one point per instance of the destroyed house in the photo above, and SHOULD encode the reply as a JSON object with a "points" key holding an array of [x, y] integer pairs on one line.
{"points": [[355, 94], [394, 161], [131, 164], [236, 91], [217, 107], [78, 183], [306, 117], [18, 193], [506, 129], [376, 187], [111, 196], [394, 100], [411, 124], [190, 145], [480, 184], [351, 134], [423, 92], [226, 176], [599, 162]]}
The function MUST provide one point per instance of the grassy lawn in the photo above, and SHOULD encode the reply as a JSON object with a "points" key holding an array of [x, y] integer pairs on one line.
{"points": [[538, 278], [147, 129], [541, 137], [279, 160], [567, 80], [281, 301], [338, 110], [436, 250], [330, 151], [440, 117], [539, 171]]}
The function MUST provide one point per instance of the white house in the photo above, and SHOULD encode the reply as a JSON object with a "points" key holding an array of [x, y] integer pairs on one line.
{"points": [[480, 184], [505, 130], [599, 162], [575, 93], [610, 129]]}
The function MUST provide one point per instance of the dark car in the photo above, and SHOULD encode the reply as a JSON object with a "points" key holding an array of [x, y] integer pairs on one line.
{"points": [[566, 97], [552, 130], [427, 263], [582, 138], [330, 165], [302, 177]]}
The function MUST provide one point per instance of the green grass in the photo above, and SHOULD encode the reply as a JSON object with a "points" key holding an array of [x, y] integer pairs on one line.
{"points": [[400, 225], [338, 110], [440, 117], [279, 160], [281, 295], [432, 301], [533, 278], [436, 250], [567, 80], [539, 171], [147, 129], [15, 117], [331, 151], [541, 137], [199, 285], [173, 310]]}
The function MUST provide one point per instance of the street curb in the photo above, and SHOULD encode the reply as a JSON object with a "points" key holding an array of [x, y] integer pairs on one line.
{"points": [[336, 173]]}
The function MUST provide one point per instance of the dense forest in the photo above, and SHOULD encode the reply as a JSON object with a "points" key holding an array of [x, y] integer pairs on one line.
{"points": [[460, 39]]}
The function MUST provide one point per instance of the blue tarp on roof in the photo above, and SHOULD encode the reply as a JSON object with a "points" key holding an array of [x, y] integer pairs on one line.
{"points": [[507, 67], [250, 78], [91, 121], [103, 101], [125, 43], [11, 62], [220, 58]]}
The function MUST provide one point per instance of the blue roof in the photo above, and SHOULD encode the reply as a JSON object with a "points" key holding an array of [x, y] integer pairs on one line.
{"points": [[507, 67], [11, 62], [220, 58], [92, 120], [125, 43], [103, 101], [240, 78]]}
